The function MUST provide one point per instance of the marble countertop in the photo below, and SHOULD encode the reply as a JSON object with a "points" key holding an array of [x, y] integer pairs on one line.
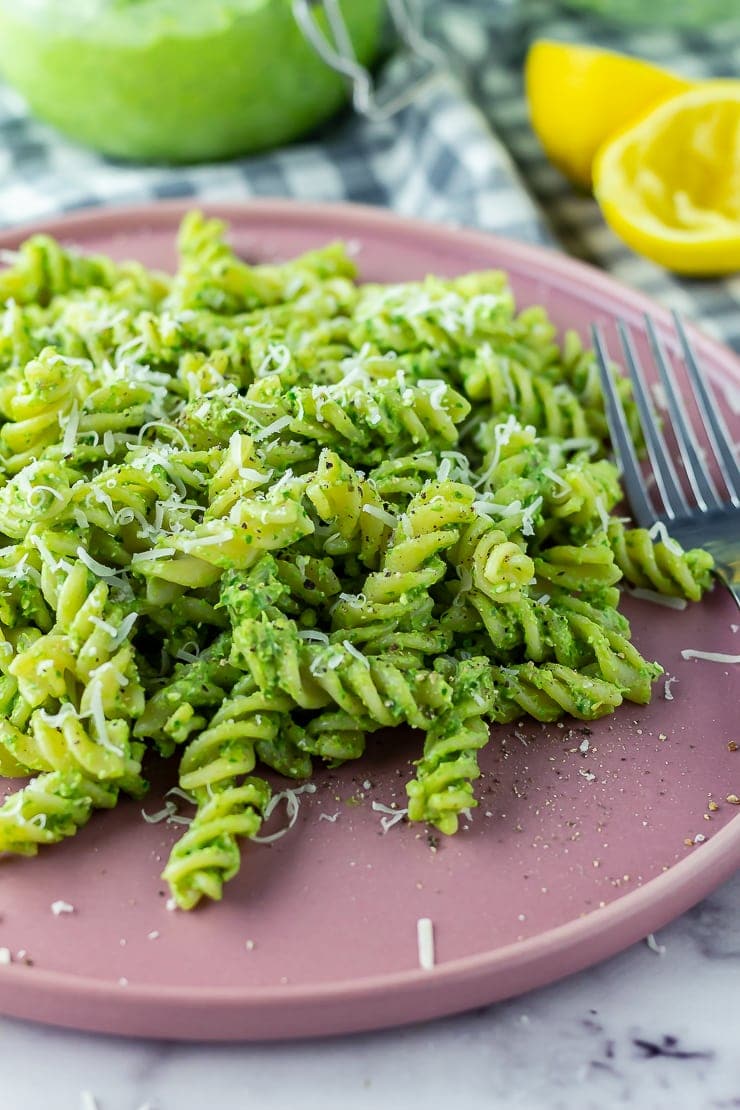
{"points": [[644, 1029]]}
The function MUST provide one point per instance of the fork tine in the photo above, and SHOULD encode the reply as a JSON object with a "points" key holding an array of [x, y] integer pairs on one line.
{"points": [[712, 418], [674, 501], [701, 483], [620, 435]]}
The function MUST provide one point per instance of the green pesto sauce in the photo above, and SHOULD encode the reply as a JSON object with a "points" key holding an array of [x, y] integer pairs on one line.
{"points": [[174, 80]]}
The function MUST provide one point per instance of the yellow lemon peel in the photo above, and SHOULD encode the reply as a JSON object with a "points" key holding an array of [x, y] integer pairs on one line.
{"points": [[669, 185], [579, 96]]}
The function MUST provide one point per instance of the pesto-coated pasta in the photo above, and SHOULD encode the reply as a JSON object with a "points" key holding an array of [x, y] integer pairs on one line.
{"points": [[252, 514]]}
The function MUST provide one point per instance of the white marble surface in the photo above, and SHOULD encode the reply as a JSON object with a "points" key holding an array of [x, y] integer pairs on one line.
{"points": [[641, 1030]]}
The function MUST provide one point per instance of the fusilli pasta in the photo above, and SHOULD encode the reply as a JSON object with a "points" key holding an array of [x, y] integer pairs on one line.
{"points": [[253, 513]]}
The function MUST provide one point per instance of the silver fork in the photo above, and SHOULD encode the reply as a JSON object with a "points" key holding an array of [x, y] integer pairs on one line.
{"points": [[713, 522]]}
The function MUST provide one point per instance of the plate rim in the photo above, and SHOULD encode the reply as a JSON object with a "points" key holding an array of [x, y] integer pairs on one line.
{"points": [[578, 943]]}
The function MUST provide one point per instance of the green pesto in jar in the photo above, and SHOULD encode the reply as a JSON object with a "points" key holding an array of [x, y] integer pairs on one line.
{"points": [[175, 80]]}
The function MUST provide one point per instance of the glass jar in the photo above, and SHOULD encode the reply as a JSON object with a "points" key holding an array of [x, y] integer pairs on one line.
{"points": [[177, 80]]}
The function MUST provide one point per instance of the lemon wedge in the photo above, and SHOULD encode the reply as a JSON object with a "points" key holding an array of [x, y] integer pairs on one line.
{"points": [[579, 96], [669, 185]]}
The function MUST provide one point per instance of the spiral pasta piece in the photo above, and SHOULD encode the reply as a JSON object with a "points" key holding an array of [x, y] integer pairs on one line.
{"points": [[22, 601], [170, 714], [512, 388], [49, 809], [588, 568], [44, 269], [395, 600], [573, 632], [198, 556], [208, 855], [663, 566], [76, 690], [405, 476], [580, 370], [453, 316], [211, 276], [580, 496], [213, 768], [445, 773], [549, 691], [365, 422], [334, 736], [225, 749], [354, 508], [493, 564]]}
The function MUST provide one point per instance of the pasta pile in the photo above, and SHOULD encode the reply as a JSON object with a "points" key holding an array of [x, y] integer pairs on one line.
{"points": [[251, 514]]}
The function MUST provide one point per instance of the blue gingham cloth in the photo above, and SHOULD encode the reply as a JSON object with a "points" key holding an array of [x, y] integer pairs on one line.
{"points": [[463, 152]]}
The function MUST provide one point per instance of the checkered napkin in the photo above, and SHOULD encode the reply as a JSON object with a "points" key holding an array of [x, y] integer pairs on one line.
{"points": [[463, 152]]}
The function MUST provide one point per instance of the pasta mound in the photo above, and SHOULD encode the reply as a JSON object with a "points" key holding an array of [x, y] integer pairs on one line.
{"points": [[254, 513]]}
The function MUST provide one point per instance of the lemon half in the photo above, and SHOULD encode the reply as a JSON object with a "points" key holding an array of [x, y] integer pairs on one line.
{"points": [[579, 96], [669, 185]]}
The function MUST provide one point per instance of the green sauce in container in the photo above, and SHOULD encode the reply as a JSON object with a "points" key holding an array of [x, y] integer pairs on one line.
{"points": [[176, 80]]}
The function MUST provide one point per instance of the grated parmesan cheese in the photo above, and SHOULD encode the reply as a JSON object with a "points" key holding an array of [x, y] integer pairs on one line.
{"points": [[124, 629], [313, 634], [105, 626], [528, 516], [653, 945], [437, 391], [34, 503], [380, 514], [603, 514], [93, 565], [659, 533], [425, 943], [350, 647], [153, 553], [710, 656], [278, 354], [166, 427], [292, 805], [443, 471], [56, 720], [180, 793], [557, 481], [61, 907], [272, 429], [494, 508], [70, 432], [97, 713], [207, 541], [161, 815], [667, 600], [667, 693], [392, 816]]}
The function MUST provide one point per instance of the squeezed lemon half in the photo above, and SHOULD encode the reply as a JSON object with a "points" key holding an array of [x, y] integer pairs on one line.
{"points": [[669, 185]]}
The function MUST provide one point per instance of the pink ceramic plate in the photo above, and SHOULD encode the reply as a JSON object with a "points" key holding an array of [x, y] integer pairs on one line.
{"points": [[572, 855]]}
